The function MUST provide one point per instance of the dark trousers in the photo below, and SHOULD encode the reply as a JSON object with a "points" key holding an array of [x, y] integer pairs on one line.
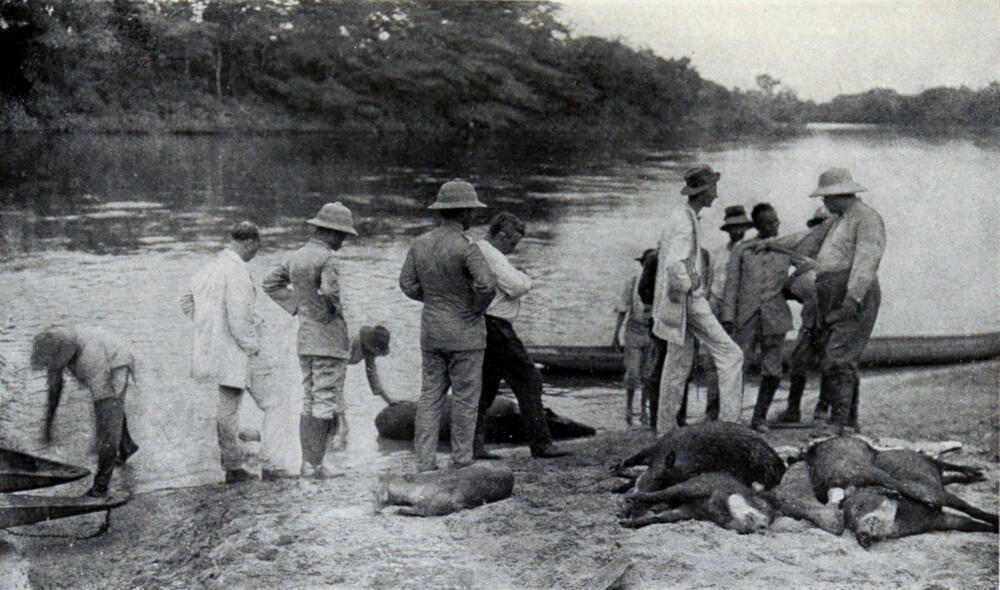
{"points": [[651, 384], [113, 439], [843, 343], [507, 359]]}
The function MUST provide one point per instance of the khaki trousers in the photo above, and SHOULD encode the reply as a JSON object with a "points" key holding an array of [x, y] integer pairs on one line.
{"points": [[462, 370], [727, 356]]}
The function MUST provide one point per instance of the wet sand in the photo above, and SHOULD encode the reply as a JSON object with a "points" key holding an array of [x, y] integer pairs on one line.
{"points": [[558, 530]]}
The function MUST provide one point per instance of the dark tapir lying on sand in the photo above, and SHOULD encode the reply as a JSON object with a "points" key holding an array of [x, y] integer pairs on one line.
{"points": [[709, 447], [435, 493], [503, 423], [875, 513]]}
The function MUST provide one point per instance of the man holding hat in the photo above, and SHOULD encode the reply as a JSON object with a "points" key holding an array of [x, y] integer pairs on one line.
{"points": [[848, 248], [446, 271], [307, 284], [681, 312]]}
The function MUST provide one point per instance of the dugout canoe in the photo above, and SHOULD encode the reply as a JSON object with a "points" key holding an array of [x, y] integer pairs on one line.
{"points": [[886, 351], [22, 509], [21, 471]]}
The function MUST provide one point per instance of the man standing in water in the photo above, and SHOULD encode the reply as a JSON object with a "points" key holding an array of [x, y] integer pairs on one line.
{"points": [[448, 273], [103, 364], [848, 249], [222, 302], [308, 285], [505, 357], [680, 309]]}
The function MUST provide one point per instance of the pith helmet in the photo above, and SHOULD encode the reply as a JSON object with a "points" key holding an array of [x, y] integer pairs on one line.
{"points": [[836, 181], [335, 216], [736, 216], [699, 179], [456, 194]]}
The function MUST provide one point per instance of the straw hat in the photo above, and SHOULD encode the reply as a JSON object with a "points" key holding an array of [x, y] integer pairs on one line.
{"points": [[456, 194], [699, 179], [736, 216], [335, 216], [836, 181]]}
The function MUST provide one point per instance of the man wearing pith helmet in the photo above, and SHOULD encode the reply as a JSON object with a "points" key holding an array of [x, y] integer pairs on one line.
{"points": [[446, 271], [848, 248], [680, 309], [308, 285]]}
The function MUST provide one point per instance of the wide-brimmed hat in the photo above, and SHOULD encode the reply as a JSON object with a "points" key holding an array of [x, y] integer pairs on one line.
{"points": [[335, 216], [53, 348], [456, 194], [736, 216], [646, 254], [836, 181], [819, 215], [375, 339], [699, 179]]}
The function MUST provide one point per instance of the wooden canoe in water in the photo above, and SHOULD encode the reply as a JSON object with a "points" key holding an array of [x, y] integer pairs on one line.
{"points": [[21, 471], [892, 351], [17, 509]]}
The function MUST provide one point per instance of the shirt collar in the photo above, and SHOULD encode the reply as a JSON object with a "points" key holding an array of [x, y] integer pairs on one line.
{"points": [[227, 251]]}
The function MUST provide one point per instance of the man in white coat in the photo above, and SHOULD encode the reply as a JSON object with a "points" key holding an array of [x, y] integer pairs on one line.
{"points": [[681, 311], [222, 303]]}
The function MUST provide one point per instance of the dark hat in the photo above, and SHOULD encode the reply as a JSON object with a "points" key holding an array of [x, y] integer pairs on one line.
{"points": [[699, 179], [736, 216], [374, 339], [645, 254]]}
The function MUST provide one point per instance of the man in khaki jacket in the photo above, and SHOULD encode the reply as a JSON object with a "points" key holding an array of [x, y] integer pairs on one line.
{"points": [[680, 309], [307, 284], [446, 271]]}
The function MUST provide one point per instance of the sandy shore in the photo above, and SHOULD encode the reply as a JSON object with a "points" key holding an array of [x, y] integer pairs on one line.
{"points": [[558, 530]]}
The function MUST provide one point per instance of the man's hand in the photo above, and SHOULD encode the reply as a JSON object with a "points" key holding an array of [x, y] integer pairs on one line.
{"points": [[847, 310]]}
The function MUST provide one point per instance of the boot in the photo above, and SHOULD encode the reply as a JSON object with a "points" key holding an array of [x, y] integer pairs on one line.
{"points": [[792, 414], [855, 398], [821, 413], [842, 395], [768, 385], [306, 439], [323, 427]]}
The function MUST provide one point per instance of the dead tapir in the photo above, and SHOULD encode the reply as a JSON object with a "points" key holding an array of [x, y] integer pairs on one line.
{"points": [[794, 497], [435, 493], [875, 514], [708, 447]]}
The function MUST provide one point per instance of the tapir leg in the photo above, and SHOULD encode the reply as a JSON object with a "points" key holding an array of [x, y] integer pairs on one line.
{"points": [[953, 501], [956, 522], [681, 492], [962, 478], [674, 515]]}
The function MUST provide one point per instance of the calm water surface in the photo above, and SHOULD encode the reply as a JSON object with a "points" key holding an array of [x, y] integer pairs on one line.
{"points": [[109, 229]]}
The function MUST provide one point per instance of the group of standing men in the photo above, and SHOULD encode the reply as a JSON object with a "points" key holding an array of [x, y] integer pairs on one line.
{"points": [[733, 304]]}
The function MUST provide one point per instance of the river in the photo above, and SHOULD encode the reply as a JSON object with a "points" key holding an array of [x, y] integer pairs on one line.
{"points": [[108, 230]]}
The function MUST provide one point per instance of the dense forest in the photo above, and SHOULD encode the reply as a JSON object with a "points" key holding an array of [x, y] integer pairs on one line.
{"points": [[424, 72]]}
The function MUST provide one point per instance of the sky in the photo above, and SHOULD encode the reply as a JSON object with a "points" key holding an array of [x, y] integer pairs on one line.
{"points": [[819, 48]]}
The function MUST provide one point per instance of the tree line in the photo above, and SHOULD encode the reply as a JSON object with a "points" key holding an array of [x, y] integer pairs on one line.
{"points": [[416, 73]]}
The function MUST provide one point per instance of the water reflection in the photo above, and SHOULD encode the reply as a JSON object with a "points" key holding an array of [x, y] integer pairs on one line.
{"points": [[109, 229]]}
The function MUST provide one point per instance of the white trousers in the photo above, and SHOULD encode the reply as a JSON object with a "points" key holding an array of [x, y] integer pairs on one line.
{"points": [[703, 325]]}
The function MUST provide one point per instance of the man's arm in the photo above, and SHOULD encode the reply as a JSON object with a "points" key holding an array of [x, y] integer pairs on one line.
{"points": [[734, 274], [371, 372], [806, 243], [277, 286], [329, 287], [484, 283], [238, 302], [679, 242], [509, 280], [869, 247], [55, 387], [409, 281]]}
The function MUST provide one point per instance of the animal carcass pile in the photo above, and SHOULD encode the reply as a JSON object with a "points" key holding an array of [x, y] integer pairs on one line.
{"points": [[729, 474]]}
